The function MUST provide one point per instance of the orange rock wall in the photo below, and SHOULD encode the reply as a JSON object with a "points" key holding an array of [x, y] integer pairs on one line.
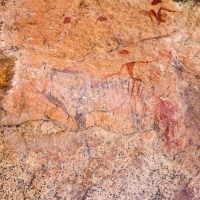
{"points": [[100, 99]]}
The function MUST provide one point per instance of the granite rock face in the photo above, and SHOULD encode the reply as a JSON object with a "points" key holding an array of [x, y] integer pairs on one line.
{"points": [[100, 99]]}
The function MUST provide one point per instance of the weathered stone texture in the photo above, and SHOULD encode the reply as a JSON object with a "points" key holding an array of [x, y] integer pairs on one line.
{"points": [[100, 99]]}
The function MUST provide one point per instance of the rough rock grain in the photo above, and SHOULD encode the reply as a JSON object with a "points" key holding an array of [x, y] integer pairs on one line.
{"points": [[100, 99]]}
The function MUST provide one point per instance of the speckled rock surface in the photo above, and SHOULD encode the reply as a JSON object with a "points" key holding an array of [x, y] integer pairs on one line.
{"points": [[100, 99]]}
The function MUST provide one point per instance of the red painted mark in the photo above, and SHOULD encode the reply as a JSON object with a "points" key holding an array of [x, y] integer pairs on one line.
{"points": [[158, 16], [155, 2], [123, 51], [130, 66], [102, 19], [67, 20]]}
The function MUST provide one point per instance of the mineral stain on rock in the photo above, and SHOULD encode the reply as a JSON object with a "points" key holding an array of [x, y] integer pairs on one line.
{"points": [[6, 71], [6, 76], [81, 120], [183, 195]]}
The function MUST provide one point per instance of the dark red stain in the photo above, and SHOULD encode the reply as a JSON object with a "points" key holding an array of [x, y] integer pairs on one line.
{"points": [[165, 113], [155, 2], [67, 20], [124, 51], [101, 19]]}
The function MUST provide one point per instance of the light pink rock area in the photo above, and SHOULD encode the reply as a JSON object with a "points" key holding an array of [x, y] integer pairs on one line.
{"points": [[104, 102]]}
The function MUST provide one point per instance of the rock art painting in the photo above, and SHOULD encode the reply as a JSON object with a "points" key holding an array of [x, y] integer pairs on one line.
{"points": [[82, 94], [100, 100]]}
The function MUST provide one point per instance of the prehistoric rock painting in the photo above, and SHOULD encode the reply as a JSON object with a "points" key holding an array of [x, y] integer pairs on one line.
{"points": [[78, 94], [158, 16], [102, 102]]}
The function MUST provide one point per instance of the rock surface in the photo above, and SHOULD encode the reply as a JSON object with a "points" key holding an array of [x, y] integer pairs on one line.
{"points": [[100, 99]]}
